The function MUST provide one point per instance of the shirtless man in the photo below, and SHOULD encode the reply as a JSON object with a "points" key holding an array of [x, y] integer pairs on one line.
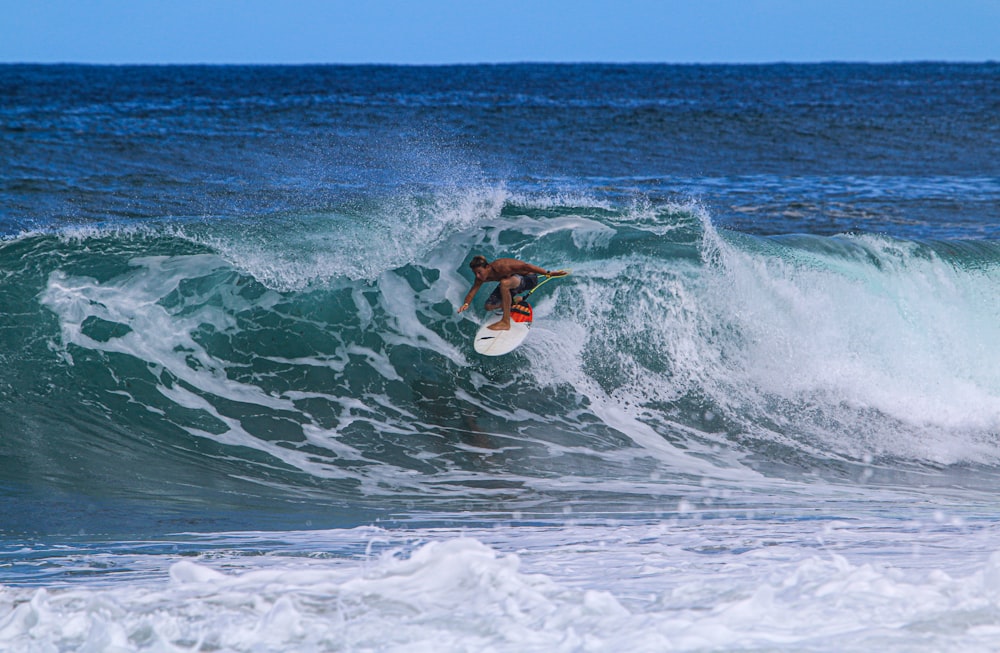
{"points": [[515, 277]]}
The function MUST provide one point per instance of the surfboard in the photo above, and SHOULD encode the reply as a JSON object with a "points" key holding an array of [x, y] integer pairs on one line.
{"points": [[497, 343]]}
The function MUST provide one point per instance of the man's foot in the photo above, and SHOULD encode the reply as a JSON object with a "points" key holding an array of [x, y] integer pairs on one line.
{"points": [[502, 325]]}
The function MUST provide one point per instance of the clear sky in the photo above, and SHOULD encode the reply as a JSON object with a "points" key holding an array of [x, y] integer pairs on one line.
{"points": [[487, 31]]}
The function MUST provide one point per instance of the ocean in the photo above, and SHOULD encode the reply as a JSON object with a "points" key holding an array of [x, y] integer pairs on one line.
{"points": [[240, 412]]}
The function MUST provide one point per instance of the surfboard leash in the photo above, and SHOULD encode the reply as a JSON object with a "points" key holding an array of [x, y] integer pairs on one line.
{"points": [[525, 296]]}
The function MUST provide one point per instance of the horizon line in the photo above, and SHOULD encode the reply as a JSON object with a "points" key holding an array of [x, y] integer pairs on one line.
{"points": [[874, 62]]}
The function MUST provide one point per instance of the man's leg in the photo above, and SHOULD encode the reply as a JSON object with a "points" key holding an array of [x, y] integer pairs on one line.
{"points": [[505, 287]]}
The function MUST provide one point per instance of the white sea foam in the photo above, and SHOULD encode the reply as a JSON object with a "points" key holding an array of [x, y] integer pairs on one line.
{"points": [[294, 252], [686, 585], [827, 342]]}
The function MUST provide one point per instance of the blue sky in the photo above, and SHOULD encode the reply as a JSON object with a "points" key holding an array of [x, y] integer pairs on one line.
{"points": [[479, 31]]}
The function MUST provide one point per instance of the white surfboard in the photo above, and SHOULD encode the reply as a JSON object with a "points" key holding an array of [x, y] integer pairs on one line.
{"points": [[489, 342]]}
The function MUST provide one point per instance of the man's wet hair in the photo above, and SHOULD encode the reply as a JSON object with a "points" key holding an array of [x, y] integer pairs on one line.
{"points": [[478, 262]]}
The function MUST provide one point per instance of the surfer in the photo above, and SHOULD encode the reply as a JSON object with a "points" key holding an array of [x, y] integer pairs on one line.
{"points": [[515, 278]]}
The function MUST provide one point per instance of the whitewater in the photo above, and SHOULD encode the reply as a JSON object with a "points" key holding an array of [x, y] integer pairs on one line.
{"points": [[240, 412]]}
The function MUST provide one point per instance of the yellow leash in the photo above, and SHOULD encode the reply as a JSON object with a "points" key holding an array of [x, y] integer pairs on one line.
{"points": [[540, 284]]}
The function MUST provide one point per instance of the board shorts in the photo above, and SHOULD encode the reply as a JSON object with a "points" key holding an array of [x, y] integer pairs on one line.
{"points": [[525, 283]]}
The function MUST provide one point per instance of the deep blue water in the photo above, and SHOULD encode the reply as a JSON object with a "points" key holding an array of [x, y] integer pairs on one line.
{"points": [[908, 149]]}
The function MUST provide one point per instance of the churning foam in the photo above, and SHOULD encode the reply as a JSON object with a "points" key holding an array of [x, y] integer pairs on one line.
{"points": [[670, 586]]}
